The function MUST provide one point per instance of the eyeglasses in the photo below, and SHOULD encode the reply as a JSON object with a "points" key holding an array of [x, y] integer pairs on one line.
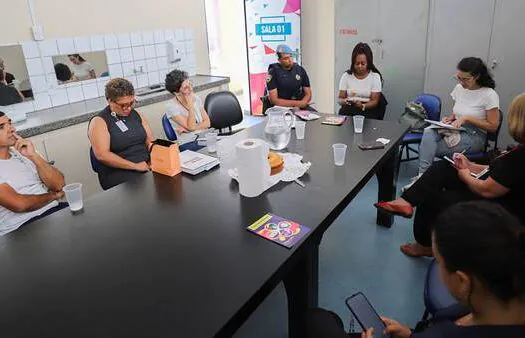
{"points": [[125, 106], [463, 79]]}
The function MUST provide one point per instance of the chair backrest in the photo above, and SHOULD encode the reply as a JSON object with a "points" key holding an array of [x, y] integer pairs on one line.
{"points": [[224, 109], [432, 105], [436, 295], [95, 164], [493, 137], [168, 129]]}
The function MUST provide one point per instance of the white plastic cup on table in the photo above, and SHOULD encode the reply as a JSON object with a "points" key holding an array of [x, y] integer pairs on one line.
{"points": [[211, 141], [359, 121], [73, 194], [339, 153], [300, 127]]}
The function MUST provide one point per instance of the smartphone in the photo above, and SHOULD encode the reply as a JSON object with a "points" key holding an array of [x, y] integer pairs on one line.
{"points": [[371, 146], [366, 315]]}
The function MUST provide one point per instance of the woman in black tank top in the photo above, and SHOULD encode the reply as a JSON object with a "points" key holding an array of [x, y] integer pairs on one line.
{"points": [[120, 137]]}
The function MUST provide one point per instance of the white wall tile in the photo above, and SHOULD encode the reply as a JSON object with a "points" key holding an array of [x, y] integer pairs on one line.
{"points": [[142, 80], [139, 53], [49, 68], [148, 37], [153, 78], [83, 44], [133, 80], [160, 49], [190, 47], [150, 51], [48, 47], [162, 63], [179, 34], [192, 71], [169, 34], [159, 36], [30, 49], [59, 97], [66, 46], [191, 60], [140, 66], [188, 34], [110, 41], [75, 94], [42, 101], [25, 107], [127, 68], [115, 70], [151, 65], [124, 40], [90, 90], [113, 56], [126, 55], [136, 39], [101, 86], [52, 82], [97, 42], [38, 83], [34, 66]]}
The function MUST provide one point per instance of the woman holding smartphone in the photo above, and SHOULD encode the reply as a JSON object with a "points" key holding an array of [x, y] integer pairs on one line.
{"points": [[491, 284], [360, 86]]}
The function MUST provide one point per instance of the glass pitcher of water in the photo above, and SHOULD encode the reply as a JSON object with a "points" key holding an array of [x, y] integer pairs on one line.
{"points": [[278, 130]]}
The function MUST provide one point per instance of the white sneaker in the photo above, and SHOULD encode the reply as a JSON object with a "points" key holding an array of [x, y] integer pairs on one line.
{"points": [[412, 181]]}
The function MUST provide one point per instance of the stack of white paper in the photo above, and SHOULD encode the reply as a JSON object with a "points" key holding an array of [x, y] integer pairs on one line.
{"points": [[194, 163]]}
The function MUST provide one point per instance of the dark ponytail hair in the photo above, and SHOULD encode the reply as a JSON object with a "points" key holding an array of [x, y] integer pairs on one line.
{"points": [[364, 48], [478, 69], [485, 241]]}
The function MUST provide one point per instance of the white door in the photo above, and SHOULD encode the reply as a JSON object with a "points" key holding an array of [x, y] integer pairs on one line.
{"points": [[507, 53], [397, 31], [457, 29]]}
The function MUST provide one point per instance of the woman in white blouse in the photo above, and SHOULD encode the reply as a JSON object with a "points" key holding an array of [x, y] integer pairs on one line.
{"points": [[185, 109], [82, 69], [476, 111], [360, 86]]}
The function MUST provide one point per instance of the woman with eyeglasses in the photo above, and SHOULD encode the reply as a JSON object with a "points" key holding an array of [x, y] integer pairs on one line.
{"points": [[185, 109], [476, 111], [445, 184], [120, 136]]}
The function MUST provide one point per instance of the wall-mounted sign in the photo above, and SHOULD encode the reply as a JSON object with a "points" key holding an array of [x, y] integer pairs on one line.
{"points": [[268, 24]]}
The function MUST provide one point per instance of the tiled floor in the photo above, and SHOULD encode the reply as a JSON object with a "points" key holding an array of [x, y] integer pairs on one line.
{"points": [[356, 255]]}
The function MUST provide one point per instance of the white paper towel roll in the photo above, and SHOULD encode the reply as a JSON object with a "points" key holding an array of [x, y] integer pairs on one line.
{"points": [[253, 166]]}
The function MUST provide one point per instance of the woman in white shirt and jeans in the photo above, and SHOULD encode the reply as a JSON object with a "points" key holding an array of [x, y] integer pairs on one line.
{"points": [[360, 86], [476, 109], [185, 109]]}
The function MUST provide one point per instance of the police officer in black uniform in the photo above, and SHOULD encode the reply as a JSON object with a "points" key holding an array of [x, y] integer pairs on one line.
{"points": [[287, 82]]}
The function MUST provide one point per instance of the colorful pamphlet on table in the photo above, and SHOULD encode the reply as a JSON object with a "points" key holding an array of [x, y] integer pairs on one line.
{"points": [[334, 120], [306, 115], [279, 230]]}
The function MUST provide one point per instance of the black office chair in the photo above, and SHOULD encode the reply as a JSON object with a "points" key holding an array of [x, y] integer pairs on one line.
{"points": [[224, 110]]}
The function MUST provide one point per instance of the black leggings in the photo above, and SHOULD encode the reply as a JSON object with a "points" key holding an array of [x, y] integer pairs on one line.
{"points": [[435, 191], [326, 324]]}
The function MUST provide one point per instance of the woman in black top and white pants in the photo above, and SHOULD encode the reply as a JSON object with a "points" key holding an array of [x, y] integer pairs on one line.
{"points": [[480, 249], [120, 136], [445, 184]]}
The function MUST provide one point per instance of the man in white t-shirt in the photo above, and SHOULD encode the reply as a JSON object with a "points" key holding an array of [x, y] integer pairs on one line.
{"points": [[29, 186]]}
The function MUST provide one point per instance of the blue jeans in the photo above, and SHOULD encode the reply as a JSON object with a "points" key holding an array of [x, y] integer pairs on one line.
{"points": [[433, 145]]}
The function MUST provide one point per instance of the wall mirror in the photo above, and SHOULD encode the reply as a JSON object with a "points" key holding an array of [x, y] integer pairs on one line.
{"points": [[79, 67], [15, 86]]}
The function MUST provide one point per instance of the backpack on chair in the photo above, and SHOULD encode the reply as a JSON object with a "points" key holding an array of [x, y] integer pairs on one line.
{"points": [[414, 116]]}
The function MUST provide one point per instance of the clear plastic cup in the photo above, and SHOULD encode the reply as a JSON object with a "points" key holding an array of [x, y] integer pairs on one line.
{"points": [[73, 194], [211, 141], [359, 121], [300, 127], [339, 153]]}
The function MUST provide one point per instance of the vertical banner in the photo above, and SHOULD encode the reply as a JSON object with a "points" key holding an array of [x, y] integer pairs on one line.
{"points": [[269, 23]]}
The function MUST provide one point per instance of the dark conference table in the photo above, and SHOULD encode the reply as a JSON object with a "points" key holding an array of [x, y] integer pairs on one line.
{"points": [[170, 257]]}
